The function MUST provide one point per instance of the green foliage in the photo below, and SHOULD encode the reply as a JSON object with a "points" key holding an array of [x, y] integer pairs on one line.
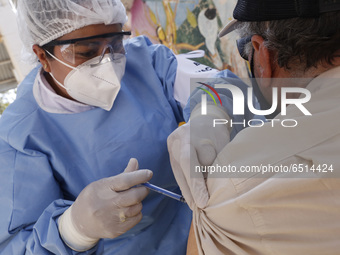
{"points": [[6, 99], [3, 106]]}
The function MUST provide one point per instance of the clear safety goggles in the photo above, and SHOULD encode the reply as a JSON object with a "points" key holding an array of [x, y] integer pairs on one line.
{"points": [[79, 50]]}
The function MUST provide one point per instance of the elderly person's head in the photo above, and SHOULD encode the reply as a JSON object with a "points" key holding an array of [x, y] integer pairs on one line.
{"points": [[77, 41], [287, 38]]}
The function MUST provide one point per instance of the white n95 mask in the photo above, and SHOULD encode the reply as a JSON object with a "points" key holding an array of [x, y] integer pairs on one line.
{"points": [[95, 84]]}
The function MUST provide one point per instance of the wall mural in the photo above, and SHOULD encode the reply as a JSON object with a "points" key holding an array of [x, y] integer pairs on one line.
{"points": [[187, 25]]}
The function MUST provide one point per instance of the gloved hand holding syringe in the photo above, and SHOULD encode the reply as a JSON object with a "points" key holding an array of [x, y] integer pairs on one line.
{"points": [[108, 207]]}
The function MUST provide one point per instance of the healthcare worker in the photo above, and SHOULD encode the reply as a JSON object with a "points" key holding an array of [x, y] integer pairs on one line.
{"points": [[83, 123], [279, 193]]}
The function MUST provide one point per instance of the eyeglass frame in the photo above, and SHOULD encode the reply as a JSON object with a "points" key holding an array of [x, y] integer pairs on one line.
{"points": [[50, 46], [241, 44], [72, 41]]}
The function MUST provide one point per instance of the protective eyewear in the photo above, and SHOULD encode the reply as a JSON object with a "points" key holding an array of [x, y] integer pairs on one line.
{"points": [[241, 46], [79, 50]]}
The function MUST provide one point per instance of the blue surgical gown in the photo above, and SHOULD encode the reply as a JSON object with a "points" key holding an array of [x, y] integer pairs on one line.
{"points": [[46, 159]]}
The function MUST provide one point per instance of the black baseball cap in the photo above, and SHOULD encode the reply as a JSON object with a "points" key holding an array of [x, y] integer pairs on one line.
{"points": [[265, 10]]}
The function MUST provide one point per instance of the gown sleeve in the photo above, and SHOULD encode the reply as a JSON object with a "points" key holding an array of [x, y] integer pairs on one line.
{"points": [[30, 196]]}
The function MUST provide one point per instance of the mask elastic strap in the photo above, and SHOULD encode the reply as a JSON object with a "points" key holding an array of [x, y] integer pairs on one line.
{"points": [[72, 67], [59, 83]]}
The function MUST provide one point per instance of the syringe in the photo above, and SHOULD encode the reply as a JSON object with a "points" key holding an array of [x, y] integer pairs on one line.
{"points": [[164, 192]]}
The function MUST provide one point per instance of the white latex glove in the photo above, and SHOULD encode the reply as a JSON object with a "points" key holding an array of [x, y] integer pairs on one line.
{"points": [[197, 143], [105, 208]]}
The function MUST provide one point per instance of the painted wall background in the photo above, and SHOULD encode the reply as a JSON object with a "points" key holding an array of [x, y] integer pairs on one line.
{"points": [[186, 25]]}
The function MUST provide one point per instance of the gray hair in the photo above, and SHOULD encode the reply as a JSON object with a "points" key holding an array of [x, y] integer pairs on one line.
{"points": [[298, 43]]}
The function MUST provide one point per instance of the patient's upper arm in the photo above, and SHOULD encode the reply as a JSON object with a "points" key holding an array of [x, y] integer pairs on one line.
{"points": [[192, 245]]}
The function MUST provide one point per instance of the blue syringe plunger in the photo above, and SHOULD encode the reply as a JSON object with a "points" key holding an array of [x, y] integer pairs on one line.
{"points": [[164, 192]]}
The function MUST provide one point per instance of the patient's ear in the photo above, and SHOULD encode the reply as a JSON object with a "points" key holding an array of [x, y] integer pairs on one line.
{"points": [[262, 58]]}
